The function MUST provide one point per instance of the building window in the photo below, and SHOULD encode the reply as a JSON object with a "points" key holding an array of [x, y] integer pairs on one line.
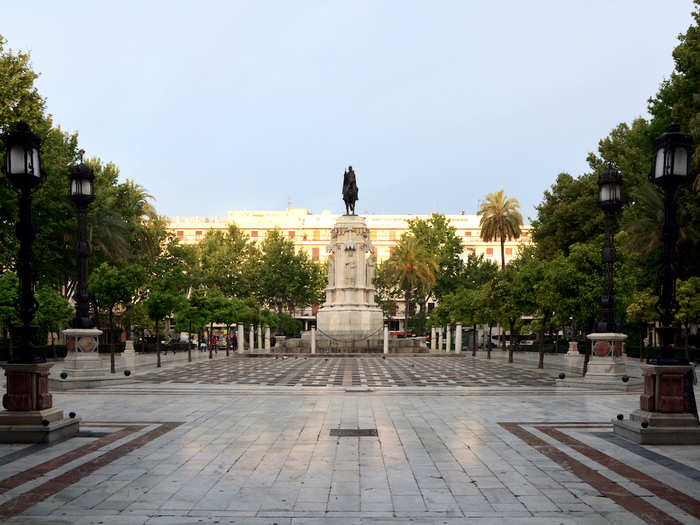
{"points": [[317, 235], [467, 234], [392, 235], [509, 251], [253, 233], [489, 251], [373, 235], [180, 234], [314, 254], [290, 234], [198, 234]]}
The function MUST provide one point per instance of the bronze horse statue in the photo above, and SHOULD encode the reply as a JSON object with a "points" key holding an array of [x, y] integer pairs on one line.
{"points": [[349, 191]]}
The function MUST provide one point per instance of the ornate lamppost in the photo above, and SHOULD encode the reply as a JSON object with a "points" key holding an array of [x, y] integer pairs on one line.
{"points": [[83, 360], [671, 170], [23, 170], [667, 413], [606, 365], [30, 417], [82, 193], [609, 185]]}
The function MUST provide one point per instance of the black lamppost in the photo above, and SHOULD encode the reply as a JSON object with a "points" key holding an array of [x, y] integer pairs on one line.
{"points": [[279, 300], [671, 169], [82, 193], [609, 184], [23, 170]]}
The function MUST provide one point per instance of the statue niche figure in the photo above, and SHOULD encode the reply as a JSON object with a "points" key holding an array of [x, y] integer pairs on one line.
{"points": [[349, 191]]}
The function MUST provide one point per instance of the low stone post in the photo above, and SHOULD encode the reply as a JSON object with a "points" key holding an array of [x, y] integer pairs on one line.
{"points": [[458, 338], [267, 338], [251, 338], [448, 338], [240, 338], [439, 338], [313, 339], [386, 339], [433, 340], [260, 345]]}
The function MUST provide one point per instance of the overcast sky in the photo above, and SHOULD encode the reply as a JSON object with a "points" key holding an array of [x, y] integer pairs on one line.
{"points": [[214, 106]]}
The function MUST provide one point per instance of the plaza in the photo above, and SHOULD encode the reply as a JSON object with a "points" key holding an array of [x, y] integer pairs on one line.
{"points": [[449, 440]]}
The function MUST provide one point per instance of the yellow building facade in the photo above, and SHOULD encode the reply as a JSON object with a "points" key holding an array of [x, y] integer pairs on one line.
{"points": [[310, 232]]}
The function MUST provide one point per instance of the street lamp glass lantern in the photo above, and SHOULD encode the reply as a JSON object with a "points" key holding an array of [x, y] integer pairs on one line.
{"points": [[672, 159], [609, 189], [82, 183], [23, 156]]}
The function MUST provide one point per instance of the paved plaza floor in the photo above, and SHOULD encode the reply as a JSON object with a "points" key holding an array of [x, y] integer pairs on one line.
{"points": [[265, 441]]}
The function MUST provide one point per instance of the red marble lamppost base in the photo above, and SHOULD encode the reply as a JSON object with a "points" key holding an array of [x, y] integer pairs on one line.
{"points": [[664, 409], [29, 416]]}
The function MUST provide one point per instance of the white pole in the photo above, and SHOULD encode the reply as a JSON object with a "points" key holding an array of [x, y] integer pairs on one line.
{"points": [[433, 340], [458, 338], [267, 338], [240, 338], [440, 339], [251, 338], [260, 337], [386, 339], [448, 338], [313, 339]]}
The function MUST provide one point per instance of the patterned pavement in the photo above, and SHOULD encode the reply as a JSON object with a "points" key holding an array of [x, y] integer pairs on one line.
{"points": [[351, 371]]}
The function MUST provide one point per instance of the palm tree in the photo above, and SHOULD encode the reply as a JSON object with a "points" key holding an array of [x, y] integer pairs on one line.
{"points": [[500, 220], [410, 268]]}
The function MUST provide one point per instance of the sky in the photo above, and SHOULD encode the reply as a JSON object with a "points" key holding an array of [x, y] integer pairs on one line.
{"points": [[229, 105]]}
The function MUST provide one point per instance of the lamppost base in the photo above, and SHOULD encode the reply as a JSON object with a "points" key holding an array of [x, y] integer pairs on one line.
{"points": [[667, 409], [30, 416]]}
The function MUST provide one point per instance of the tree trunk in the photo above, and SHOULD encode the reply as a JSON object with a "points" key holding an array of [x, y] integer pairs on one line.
{"points": [[474, 339], [111, 341], [128, 321], [211, 351], [157, 346], [406, 298], [228, 338], [587, 357], [503, 256], [510, 346]]}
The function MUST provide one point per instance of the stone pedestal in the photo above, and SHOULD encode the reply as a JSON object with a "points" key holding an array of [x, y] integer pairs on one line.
{"points": [[313, 340], [83, 361], [260, 343], [448, 338], [573, 348], [267, 338], [458, 339], [240, 338], [439, 339], [350, 320], [665, 406], [433, 340], [251, 338], [604, 366], [386, 339], [30, 416], [129, 355]]}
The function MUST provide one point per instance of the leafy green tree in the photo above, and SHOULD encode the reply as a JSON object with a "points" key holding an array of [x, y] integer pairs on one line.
{"points": [[160, 303], [278, 270], [500, 220], [439, 239], [410, 269], [225, 259], [9, 287], [111, 287], [688, 296], [53, 313], [641, 313]]}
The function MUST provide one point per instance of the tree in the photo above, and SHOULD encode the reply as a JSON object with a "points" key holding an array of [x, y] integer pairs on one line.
{"points": [[439, 239], [224, 260], [278, 270], [160, 304], [111, 287], [410, 268], [641, 312], [53, 313], [9, 287], [688, 296], [500, 220]]}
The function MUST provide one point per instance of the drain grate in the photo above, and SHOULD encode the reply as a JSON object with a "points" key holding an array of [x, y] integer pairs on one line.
{"points": [[354, 432]]}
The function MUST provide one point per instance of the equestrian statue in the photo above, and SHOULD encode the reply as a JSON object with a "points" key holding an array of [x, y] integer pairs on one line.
{"points": [[349, 191]]}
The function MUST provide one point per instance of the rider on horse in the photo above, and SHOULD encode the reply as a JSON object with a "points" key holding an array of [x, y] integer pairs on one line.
{"points": [[349, 191]]}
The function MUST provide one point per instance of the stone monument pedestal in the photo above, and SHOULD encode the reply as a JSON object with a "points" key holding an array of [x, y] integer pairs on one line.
{"points": [[83, 360], [665, 408], [350, 320], [606, 365], [30, 416]]}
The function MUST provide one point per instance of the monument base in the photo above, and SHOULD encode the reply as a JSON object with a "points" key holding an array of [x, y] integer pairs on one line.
{"points": [[29, 427]]}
